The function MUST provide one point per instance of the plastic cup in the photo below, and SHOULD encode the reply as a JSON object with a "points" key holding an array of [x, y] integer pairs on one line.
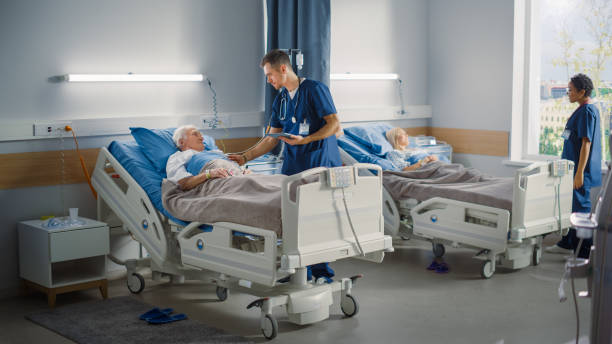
{"points": [[74, 213]]}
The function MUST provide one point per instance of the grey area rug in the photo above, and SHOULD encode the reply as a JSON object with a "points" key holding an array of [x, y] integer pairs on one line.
{"points": [[116, 321]]}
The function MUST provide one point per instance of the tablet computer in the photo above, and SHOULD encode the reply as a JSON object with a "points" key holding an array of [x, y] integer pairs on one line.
{"points": [[277, 135]]}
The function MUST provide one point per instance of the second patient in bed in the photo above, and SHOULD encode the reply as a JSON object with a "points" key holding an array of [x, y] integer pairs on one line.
{"points": [[402, 157], [190, 142]]}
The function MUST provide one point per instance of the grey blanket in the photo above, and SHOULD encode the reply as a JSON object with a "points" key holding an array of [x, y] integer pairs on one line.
{"points": [[453, 181], [252, 199]]}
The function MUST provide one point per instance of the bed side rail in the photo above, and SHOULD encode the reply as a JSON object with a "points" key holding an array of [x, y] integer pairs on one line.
{"points": [[214, 251], [542, 199], [316, 227], [130, 203], [462, 222]]}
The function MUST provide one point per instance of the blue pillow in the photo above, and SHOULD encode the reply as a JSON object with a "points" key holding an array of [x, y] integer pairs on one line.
{"points": [[361, 154], [157, 144], [372, 137], [197, 162]]}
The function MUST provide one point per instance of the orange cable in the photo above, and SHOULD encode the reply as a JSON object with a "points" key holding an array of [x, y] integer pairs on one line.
{"points": [[76, 142]]}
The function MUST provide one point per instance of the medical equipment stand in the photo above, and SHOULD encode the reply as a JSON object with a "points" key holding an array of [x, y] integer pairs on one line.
{"points": [[598, 269]]}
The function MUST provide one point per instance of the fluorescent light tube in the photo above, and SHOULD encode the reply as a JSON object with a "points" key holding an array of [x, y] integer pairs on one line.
{"points": [[132, 77], [368, 76]]}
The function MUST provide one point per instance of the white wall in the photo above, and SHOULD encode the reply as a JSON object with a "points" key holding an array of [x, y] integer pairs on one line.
{"points": [[470, 70], [386, 36], [41, 39]]}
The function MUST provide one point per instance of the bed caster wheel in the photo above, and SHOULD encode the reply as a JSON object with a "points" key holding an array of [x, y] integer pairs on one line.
{"points": [[222, 293], [349, 306], [487, 269], [269, 326], [537, 255], [438, 250], [135, 283]]}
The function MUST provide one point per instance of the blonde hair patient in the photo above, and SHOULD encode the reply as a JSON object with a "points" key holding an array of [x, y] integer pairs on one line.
{"points": [[394, 136]]}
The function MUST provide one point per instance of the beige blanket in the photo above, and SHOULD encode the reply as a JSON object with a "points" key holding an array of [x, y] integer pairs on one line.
{"points": [[453, 181], [251, 199]]}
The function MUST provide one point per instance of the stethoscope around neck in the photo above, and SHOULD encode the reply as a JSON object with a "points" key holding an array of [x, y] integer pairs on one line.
{"points": [[284, 103]]}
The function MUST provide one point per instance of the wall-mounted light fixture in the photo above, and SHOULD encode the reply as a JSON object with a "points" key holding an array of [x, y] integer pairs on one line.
{"points": [[132, 77], [367, 76]]}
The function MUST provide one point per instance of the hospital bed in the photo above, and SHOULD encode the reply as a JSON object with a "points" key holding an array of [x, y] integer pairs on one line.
{"points": [[541, 192], [315, 229]]}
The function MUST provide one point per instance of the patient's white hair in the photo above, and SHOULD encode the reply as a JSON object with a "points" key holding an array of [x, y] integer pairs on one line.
{"points": [[181, 133]]}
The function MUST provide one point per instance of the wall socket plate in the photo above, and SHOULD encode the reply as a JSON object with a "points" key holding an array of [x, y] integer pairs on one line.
{"points": [[51, 129], [223, 121]]}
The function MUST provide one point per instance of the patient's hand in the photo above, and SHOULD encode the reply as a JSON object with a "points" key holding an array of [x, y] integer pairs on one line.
{"points": [[430, 158], [218, 173]]}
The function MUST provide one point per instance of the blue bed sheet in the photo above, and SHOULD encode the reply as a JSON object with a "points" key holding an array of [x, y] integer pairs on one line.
{"points": [[362, 154], [132, 158]]}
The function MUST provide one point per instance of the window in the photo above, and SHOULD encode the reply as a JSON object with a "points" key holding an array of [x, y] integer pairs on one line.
{"points": [[553, 40]]}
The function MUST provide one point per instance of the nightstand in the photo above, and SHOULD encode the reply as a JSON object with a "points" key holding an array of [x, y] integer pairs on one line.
{"points": [[61, 260]]}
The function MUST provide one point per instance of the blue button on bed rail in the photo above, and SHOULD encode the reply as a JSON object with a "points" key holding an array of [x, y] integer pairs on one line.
{"points": [[200, 244], [145, 224], [434, 218]]}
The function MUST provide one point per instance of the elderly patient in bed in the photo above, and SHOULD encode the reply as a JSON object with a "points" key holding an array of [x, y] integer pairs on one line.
{"points": [[190, 142], [402, 157]]}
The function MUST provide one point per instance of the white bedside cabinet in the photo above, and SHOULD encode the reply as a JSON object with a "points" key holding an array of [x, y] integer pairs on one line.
{"points": [[60, 260]]}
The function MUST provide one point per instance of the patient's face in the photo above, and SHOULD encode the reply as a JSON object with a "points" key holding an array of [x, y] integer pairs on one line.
{"points": [[193, 140], [402, 140]]}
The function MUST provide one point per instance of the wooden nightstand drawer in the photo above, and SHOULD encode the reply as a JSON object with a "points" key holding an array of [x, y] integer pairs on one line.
{"points": [[76, 244]]}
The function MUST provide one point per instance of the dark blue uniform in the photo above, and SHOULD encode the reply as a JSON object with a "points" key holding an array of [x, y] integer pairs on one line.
{"points": [[304, 115], [584, 123], [310, 104]]}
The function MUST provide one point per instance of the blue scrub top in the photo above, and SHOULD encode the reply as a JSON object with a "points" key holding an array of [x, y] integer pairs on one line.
{"points": [[311, 103], [585, 122]]}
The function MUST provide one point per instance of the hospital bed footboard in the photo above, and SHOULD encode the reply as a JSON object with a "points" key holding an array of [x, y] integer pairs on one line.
{"points": [[316, 229]]}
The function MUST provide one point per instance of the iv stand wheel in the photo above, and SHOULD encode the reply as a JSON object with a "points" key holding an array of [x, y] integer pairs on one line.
{"points": [[349, 305], [269, 326], [487, 269], [135, 283], [438, 249], [537, 255], [222, 293]]}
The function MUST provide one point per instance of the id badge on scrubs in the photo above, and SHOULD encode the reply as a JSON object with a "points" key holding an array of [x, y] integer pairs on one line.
{"points": [[566, 134], [304, 129]]}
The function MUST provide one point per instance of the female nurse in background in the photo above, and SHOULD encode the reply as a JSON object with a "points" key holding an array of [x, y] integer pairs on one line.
{"points": [[582, 145]]}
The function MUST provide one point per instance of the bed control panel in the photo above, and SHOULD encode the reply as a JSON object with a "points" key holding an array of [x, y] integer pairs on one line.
{"points": [[340, 177], [559, 168]]}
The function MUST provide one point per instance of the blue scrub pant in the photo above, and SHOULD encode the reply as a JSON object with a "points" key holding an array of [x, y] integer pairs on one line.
{"points": [[581, 203]]}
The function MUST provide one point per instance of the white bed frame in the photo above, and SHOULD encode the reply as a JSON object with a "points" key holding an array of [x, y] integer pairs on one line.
{"points": [[511, 240], [315, 229]]}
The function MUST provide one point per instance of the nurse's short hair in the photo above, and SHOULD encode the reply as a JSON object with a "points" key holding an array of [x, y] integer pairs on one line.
{"points": [[276, 58], [582, 82], [181, 132]]}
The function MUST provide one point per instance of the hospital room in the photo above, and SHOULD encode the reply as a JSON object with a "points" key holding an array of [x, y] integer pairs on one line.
{"points": [[299, 171]]}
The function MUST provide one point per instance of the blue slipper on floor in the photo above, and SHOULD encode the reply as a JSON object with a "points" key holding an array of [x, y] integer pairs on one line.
{"points": [[433, 266], [164, 319], [442, 268], [155, 313]]}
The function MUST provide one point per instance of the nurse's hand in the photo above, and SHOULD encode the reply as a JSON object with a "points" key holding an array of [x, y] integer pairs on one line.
{"points": [[295, 140], [238, 158], [578, 180]]}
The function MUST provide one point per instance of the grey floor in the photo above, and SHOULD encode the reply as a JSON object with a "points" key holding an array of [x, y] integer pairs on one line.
{"points": [[400, 302]]}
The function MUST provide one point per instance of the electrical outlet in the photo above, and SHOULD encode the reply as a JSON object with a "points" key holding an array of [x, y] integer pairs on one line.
{"points": [[51, 129], [223, 121]]}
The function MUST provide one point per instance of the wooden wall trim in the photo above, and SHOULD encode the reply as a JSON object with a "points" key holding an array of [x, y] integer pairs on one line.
{"points": [[469, 141], [20, 170]]}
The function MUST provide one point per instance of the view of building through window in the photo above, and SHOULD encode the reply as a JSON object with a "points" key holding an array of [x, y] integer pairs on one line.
{"points": [[576, 37]]}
